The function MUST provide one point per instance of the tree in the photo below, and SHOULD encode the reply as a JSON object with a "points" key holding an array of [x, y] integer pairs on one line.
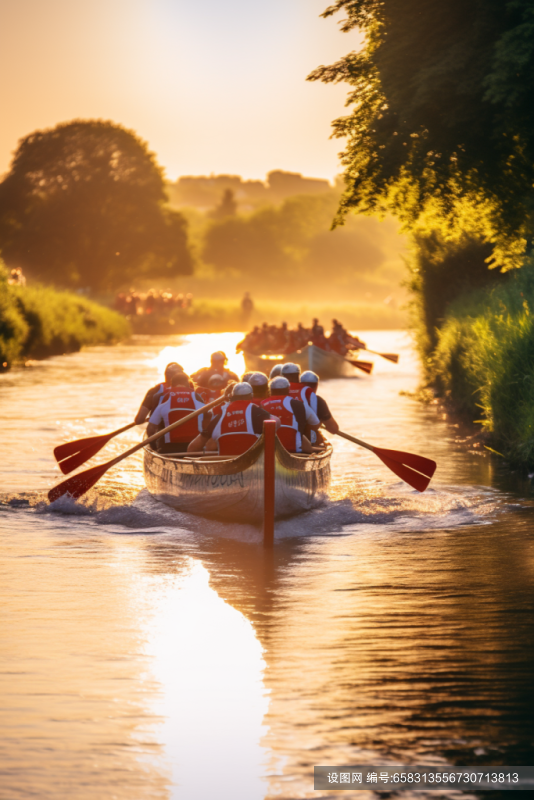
{"points": [[227, 207], [442, 120], [83, 205]]}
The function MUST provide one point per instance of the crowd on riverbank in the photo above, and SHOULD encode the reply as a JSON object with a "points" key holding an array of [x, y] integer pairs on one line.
{"points": [[157, 302]]}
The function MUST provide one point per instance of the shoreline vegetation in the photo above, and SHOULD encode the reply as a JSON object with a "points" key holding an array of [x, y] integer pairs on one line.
{"points": [[480, 361], [37, 322]]}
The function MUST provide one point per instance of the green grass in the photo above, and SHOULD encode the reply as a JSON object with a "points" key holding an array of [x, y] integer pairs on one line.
{"points": [[36, 322], [215, 316], [483, 362]]}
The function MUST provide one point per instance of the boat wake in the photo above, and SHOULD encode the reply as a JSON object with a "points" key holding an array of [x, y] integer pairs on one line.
{"points": [[367, 509]]}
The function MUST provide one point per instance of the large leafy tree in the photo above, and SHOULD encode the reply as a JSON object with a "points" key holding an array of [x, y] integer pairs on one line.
{"points": [[441, 124], [84, 205]]}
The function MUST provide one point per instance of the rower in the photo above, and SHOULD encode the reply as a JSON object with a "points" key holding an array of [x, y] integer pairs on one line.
{"points": [[178, 402], [156, 392], [310, 381], [292, 414], [214, 390], [237, 428], [260, 387], [218, 364], [292, 373]]}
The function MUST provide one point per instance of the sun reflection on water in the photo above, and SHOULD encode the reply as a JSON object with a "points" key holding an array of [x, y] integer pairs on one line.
{"points": [[209, 663], [194, 352]]}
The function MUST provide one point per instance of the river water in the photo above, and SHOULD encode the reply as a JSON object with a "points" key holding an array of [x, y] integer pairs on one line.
{"points": [[151, 654]]}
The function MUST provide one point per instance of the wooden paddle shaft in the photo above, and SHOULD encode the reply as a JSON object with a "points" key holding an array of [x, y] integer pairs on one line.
{"points": [[356, 441], [132, 450]]}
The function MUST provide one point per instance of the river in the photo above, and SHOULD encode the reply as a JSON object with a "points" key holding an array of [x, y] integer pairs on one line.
{"points": [[151, 654]]}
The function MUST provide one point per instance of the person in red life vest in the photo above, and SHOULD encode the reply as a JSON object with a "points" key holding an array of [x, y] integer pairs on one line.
{"points": [[178, 402], [260, 387], [292, 373], [237, 428], [218, 367], [310, 381], [214, 390], [292, 414], [151, 398]]}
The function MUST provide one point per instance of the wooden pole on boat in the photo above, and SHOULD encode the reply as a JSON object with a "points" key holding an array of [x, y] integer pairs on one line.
{"points": [[269, 446]]}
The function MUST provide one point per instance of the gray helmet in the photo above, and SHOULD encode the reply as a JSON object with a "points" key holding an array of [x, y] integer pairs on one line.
{"points": [[246, 377], [276, 370]]}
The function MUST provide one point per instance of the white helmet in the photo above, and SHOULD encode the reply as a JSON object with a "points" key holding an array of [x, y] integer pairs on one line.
{"points": [[290, 369], [258, 379], [246, 377], [241, 390], [279, 383], [276, 370], [309, 377]]}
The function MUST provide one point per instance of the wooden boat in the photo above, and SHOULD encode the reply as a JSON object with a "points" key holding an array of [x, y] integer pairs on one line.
{"points": [[232, 488], [325, 363]]}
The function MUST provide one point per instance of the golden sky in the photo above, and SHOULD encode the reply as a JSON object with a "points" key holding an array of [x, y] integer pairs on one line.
{"points": [[217, 86]]}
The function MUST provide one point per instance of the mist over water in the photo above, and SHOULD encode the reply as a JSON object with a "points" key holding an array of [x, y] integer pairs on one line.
{"points": [[148, 653]]}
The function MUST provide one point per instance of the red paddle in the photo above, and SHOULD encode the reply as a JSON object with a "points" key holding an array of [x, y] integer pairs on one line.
{"points": [[93, 443], [413, 469], [81, 483], [365, 366]]}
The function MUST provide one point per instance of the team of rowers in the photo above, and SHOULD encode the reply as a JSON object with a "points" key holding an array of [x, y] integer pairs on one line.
{"points": [[284, 340], [285, 396]]}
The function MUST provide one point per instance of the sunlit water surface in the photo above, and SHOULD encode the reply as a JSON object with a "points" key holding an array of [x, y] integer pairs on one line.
{"points": [[151, 654]]}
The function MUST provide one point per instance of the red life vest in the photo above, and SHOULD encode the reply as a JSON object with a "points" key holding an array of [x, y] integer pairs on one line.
{"points": [[209, 395], [309, 398], [288, 432], [161, 390], [234, 430], [178, 404], [295, 390]]}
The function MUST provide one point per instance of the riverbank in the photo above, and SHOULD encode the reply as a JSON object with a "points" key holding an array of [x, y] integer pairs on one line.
{"points": [[483, 363], [218, 316], [37, 322]]}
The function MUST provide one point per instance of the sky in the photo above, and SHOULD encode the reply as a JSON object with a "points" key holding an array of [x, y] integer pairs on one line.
{"points": [[213, 87]]}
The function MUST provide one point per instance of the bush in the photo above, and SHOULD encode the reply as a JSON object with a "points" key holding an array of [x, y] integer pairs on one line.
{"points": [[36, 322], [484, 361]]}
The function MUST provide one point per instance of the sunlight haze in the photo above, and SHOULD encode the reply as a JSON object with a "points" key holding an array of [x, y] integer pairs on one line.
{"points": [[216, 87]]}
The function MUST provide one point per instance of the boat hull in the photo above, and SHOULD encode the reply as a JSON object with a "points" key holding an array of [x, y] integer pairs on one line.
{"points": [[324, 363], [233, 489]]}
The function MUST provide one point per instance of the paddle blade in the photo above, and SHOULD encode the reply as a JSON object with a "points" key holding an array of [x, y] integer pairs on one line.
{"points": [[390, 357], [79, 484], [415, 470], [70, 464], [365, 366], [63, 451]]}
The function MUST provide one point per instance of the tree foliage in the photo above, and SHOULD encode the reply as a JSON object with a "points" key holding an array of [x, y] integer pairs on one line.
{"points": [[83, 204], [442, 119]]}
